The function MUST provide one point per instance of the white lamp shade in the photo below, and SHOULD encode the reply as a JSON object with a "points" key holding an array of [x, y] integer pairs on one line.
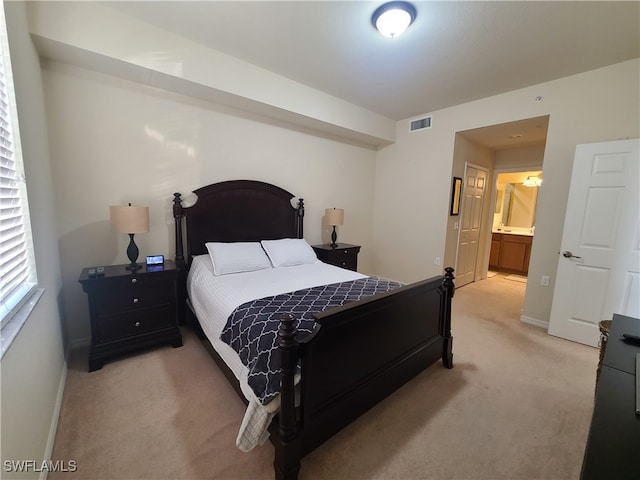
{"points": [[334, 216], [128, 219]]}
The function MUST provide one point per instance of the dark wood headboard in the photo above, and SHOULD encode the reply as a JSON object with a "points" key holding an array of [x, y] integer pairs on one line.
{"points": [[235, 211]]}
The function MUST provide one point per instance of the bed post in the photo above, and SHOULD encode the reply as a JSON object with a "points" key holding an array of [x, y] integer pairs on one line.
{"points": [[177, 216], [286, 440], [179, 259], [300, 217], [448, 289]]}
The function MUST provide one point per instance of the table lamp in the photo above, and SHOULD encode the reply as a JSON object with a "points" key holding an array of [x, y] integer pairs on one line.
{"points": [[130, 220], [333, 217]]}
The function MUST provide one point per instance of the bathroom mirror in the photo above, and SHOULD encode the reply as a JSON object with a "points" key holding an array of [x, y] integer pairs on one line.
{"points": [[515, 201]]}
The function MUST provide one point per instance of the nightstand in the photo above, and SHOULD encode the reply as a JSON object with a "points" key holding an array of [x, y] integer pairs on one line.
{"points": [[344, 255], [131, 310]]}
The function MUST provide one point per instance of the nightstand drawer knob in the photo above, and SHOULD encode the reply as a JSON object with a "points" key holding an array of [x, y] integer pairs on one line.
{"points": [[134, 280], [135, 300], [137, 324]]}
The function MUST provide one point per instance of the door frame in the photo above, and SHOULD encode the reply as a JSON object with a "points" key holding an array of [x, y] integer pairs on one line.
{"points": [[492, 203]]}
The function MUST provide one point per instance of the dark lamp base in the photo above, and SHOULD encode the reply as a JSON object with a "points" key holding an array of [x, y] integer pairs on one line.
{"points": [[334, 237], [132, 254]]}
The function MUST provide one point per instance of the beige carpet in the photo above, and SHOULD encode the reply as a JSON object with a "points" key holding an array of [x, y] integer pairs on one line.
{"points": [[517, 405]]}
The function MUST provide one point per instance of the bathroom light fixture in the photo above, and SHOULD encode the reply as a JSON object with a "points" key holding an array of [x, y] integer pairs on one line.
{"points": [[532, 181], [391, 19]]}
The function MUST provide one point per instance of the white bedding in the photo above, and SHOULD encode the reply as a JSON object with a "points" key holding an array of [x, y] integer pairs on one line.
{"points": [[214, 298]]}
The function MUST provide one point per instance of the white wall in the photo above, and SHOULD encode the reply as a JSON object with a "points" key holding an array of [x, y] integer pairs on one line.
{"points": [[524, 157], [114, 141], [414, 175], [33, 368]]}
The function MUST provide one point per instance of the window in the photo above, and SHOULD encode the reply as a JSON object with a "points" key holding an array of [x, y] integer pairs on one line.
{"points": [[17, 265]]}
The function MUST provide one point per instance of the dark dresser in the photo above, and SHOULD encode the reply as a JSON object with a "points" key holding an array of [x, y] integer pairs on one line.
{"points": [[613, 447], [343, 255], [131, 310]]}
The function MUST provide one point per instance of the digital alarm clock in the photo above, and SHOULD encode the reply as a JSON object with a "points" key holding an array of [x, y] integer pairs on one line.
{"points": [[155, 259]]}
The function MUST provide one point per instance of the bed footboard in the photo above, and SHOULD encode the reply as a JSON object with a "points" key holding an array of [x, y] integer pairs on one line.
{"points": [[362, 352]]}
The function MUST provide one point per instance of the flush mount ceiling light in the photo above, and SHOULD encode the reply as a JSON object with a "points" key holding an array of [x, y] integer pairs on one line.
{"points": [[393, 18]]}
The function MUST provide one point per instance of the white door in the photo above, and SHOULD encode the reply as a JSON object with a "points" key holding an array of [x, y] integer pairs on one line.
{"points": [[599, 264], [474, 186]]}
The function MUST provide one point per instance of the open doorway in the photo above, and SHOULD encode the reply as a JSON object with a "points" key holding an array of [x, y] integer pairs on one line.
{"points": [[509, 147], [513, 222]]}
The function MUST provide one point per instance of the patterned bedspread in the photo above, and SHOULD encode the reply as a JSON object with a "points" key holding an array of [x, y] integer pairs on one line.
{"points": [[252, 328]]}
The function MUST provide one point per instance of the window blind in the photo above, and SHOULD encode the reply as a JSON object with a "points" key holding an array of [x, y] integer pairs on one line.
{"points": [[17, 266]]}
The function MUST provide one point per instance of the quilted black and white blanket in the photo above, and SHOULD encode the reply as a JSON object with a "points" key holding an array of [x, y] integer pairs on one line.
{"points": [[252, 328]]}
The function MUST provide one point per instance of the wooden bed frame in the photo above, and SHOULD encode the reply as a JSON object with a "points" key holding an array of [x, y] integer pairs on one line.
{"points": [[362, 352]]}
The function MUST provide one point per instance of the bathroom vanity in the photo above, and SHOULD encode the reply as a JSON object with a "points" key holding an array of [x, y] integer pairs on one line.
{"points": [[510, 252]]}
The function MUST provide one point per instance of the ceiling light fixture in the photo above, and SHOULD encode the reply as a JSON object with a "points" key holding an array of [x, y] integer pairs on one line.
{"points": [[393, 18], [532, 181]]}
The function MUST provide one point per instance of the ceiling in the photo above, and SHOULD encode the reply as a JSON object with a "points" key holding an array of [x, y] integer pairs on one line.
{"points": [[520, 133], [454, 52]]}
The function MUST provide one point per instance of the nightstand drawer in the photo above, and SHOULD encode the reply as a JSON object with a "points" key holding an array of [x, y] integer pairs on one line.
{"points": [[134, 282], [134, 323], [129, 299], [343, 258], [344, 255]]}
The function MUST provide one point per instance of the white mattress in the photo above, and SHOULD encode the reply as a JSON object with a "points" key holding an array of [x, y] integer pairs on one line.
{"points": [[214, 298]]}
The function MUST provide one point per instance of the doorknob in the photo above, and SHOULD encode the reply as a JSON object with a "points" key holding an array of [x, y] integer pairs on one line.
{"points": [[568, 254]]}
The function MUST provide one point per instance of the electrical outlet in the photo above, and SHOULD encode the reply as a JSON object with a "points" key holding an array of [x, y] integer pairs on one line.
{"points": [[544, 280], [438, 261]]}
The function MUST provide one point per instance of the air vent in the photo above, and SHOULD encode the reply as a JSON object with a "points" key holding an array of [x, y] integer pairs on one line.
{"points": [[420, 124]]}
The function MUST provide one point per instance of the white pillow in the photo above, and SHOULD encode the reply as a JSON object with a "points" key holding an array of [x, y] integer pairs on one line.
{"points": [[237, 257], [287, 252]]}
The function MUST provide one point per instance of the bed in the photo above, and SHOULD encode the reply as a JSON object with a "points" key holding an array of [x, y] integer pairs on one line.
{"points": [[354, 355]]}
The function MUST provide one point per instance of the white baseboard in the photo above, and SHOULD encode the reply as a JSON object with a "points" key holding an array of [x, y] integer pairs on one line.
{"points": [[535, 322], [56, 416]]}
